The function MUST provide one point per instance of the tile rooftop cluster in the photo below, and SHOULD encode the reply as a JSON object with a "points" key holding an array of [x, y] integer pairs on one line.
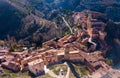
{"points": [[70, 47]]}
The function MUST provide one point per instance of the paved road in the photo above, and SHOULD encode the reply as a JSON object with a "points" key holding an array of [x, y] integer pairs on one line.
{"points": [[68, 71], [73, 70], [51, 73], [67, 25]]}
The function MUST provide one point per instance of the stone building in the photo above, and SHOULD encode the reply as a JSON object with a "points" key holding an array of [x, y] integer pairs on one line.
{"points": [[36, 67]]}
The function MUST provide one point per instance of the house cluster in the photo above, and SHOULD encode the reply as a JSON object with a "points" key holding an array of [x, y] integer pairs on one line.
{"points": [[88, 42], [93, 28]]}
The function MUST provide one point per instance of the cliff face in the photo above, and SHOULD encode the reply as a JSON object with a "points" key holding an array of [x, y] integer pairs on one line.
{"points": [[113, 38]]}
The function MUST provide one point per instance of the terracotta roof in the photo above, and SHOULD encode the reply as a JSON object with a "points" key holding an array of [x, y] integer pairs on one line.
{"points": [[35, 62]]}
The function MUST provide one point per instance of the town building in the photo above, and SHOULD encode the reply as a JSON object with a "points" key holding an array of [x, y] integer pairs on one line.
{"points": [[74, 48]]}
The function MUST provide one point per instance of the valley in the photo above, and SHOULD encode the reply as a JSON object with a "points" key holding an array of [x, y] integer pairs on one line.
{"points": [[39, 35]]}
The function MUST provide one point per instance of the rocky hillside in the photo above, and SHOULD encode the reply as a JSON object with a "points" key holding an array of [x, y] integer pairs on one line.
{"points": [[17, 21], [10, 19], [26, 19], [111, 7]]}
